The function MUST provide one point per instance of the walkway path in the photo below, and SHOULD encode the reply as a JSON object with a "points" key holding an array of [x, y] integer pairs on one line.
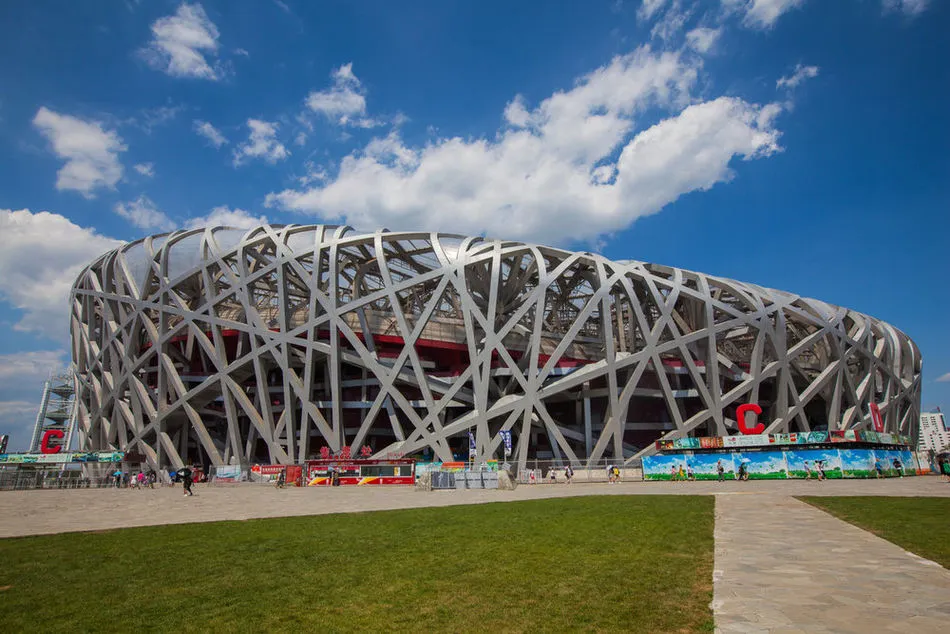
{"points": [[58, 511], [785, 566]]}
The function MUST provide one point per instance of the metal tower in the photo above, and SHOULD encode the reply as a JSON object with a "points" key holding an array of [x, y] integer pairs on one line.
{"points": [[57, 410]]}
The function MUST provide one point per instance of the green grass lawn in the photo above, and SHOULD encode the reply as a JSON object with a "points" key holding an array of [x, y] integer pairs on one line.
{"points": [[621, 563], [915, 524]]}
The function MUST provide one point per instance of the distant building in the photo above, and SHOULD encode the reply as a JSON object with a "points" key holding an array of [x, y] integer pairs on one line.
{"points": [[933, 432]]}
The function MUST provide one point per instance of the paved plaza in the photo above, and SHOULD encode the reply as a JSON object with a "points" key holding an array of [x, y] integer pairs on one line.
{"points": [[780, 564]]}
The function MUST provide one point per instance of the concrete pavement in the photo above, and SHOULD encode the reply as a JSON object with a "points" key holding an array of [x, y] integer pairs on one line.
{"points": [[58, 511], [785, 566]]}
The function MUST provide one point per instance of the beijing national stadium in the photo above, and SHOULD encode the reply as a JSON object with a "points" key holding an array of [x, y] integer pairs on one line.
{"points": [[268, 345]]}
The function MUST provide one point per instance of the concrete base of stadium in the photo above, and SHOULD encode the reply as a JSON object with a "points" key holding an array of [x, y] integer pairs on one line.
{"points": [[781, 565]]}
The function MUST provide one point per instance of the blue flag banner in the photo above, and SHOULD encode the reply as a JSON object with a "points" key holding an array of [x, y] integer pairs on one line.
{"points": [[506, 439]]}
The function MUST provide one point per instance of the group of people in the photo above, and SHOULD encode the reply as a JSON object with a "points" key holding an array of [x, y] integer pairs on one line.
{"points": [[613, 474], [140, 480], [879, 468], [818, 471], [147, 479], [568, 474], [682, 474]]}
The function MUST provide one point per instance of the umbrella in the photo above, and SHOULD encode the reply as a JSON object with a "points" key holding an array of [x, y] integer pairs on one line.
{"points": [[117, 473]]}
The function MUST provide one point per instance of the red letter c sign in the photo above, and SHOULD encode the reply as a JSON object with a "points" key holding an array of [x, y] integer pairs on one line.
{"points": [[52, 433], [740, 418]]}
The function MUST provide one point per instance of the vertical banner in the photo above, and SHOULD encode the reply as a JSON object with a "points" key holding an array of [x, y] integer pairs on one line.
{"points": [[506, 441], [876, 417], [472, 451]]}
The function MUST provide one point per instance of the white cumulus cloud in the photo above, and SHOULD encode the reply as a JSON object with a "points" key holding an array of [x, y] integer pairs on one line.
{"points": [[227, 217], [672, 22], [145, 169], [181, 42], [761, 14], [262, 143], [944, 379], [23, 367], [40, 256], [209, 132], [144, 214], [90, 151], [702, 39], [344, 102], [800, 74], [573, 168]]}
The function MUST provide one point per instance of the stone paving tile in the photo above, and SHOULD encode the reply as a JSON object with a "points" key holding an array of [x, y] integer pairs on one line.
{"points": [[782, 565], [57, 511]]}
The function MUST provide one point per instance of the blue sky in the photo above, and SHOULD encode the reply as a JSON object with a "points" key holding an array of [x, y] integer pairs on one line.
{"points": [[796, 144]]}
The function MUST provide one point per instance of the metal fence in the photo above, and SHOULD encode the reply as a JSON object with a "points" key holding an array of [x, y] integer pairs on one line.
{"points": [[553, 472], [13, 479]]}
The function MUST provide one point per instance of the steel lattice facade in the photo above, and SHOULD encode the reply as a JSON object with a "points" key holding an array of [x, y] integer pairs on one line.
{"points": [[228, 346]]}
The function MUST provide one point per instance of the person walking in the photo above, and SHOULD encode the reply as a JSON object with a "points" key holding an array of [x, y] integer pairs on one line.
{"points": [[569, 473], [281, 478], [186, 480], [690, 476], [878, 468], [807, 471], [820, 467], [946, 470], [899, 467], [721, 470]]}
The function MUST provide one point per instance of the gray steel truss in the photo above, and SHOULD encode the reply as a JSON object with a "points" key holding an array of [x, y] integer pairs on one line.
{"points": [[231, 346]]}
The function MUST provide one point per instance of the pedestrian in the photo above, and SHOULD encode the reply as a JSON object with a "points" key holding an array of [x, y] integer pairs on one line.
{"points": [[552, 475], [946, 470], [820, 467], [807, 471], [743, 474], [682, 474], [185, 475], [674, 473], [878, 468], [281, 478], [898, 465], [721, 470], [616, 471], [689, 472], [569, 473]]}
